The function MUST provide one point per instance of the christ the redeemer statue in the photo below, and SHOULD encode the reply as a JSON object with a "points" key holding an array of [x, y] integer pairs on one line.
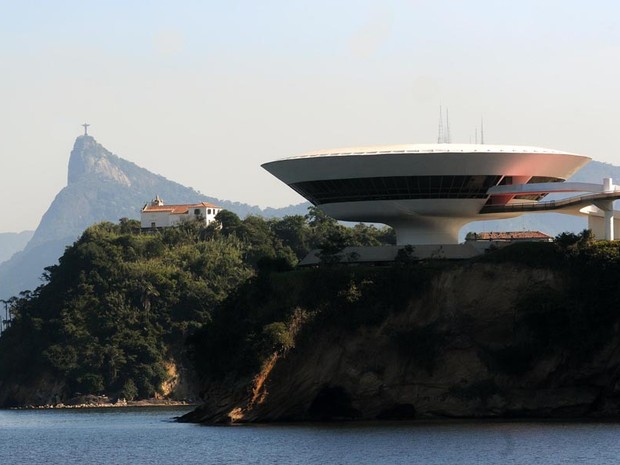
{"points": [[85, 128]]}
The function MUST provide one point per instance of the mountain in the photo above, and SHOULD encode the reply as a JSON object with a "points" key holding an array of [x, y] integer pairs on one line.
{"points": [[101, 187], [11, 243], [104, 187]]}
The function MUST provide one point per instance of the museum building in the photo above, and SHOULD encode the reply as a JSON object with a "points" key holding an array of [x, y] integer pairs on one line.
{"points": [[428, 192]]}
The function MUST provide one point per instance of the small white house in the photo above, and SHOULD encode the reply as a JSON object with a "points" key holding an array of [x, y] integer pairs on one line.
{"points": [[159, 215]]}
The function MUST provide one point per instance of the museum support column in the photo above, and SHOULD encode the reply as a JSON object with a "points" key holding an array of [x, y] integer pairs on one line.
{"points": [[608, 209]]}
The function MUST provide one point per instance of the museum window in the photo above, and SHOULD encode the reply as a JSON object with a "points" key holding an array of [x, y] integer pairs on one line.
{"points": [[397, 188]]}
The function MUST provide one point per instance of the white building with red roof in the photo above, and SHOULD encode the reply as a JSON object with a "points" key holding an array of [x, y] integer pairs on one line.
{"points": [[157, 214]]}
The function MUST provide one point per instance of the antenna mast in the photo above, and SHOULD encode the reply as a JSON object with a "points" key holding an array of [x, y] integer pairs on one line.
{"points": [[440, 129], [481, 130], [443, 136]]}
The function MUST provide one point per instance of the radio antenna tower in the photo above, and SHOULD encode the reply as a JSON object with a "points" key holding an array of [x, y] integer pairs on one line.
{"points": [[481, 130], [443, 136], [440, 129]]}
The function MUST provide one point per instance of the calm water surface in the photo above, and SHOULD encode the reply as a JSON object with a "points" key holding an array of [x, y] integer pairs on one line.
{"points": [[149, 436]]}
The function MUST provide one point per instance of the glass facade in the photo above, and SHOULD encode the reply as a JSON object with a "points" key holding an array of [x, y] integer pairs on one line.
{"points": [[403, 187], [396, 188]]}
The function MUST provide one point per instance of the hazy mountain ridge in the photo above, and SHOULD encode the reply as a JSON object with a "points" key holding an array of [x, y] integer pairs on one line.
{"points": [[13, 242]]}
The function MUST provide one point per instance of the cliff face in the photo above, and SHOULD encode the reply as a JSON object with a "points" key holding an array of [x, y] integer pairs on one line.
{"points": [[41, 389], [88, 158], [482, 340]]}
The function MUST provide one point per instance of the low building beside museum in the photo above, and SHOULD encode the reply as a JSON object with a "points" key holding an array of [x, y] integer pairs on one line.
{"points": [[157, 214]]}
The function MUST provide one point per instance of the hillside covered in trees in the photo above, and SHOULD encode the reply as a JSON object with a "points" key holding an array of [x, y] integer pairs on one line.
{"points": [[529, 330], [113, 316]]}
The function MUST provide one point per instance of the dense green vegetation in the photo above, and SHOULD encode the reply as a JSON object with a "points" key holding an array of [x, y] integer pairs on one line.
{"points": [[119, 305], [122, 305]]}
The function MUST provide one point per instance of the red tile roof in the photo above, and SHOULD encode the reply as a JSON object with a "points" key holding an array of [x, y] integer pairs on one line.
{"points": [[511, 235]]}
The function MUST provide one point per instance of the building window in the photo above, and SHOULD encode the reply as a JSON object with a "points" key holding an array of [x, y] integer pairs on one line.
{"points": [[396, 188], [197, 211], [153, 225], [209, 211]]}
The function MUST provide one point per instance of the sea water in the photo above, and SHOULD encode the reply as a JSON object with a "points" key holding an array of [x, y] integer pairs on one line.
{"points": [[151, 436]]}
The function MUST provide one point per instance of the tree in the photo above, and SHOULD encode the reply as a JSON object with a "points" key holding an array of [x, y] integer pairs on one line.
{"points": [[228, 222], [293, 231], [332, 246]]}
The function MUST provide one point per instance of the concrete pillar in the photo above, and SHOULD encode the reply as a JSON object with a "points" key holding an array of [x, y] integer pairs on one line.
{"points": [[609, 224], [426, 230], [608, 217], [608, 185]]}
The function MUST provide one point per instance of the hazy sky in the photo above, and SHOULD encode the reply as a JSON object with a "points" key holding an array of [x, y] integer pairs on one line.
{"points": [[203, 92]]}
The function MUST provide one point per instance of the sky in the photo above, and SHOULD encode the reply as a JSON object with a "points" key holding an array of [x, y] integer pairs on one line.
{"points": [[204, 92]]}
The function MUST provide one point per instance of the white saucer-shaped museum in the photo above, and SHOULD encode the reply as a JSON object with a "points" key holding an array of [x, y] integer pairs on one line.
{"points": [[428, 192]]}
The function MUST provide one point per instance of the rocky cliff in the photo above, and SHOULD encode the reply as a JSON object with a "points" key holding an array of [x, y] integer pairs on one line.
{"points": [[475, 340]]}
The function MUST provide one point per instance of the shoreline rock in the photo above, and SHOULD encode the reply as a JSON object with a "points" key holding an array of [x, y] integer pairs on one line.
{"points": [[121, 403], [479, 340]]}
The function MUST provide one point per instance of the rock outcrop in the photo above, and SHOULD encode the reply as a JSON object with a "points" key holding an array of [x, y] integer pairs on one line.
{"points": [[39, 389], [89, 158], [482, 340]]}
